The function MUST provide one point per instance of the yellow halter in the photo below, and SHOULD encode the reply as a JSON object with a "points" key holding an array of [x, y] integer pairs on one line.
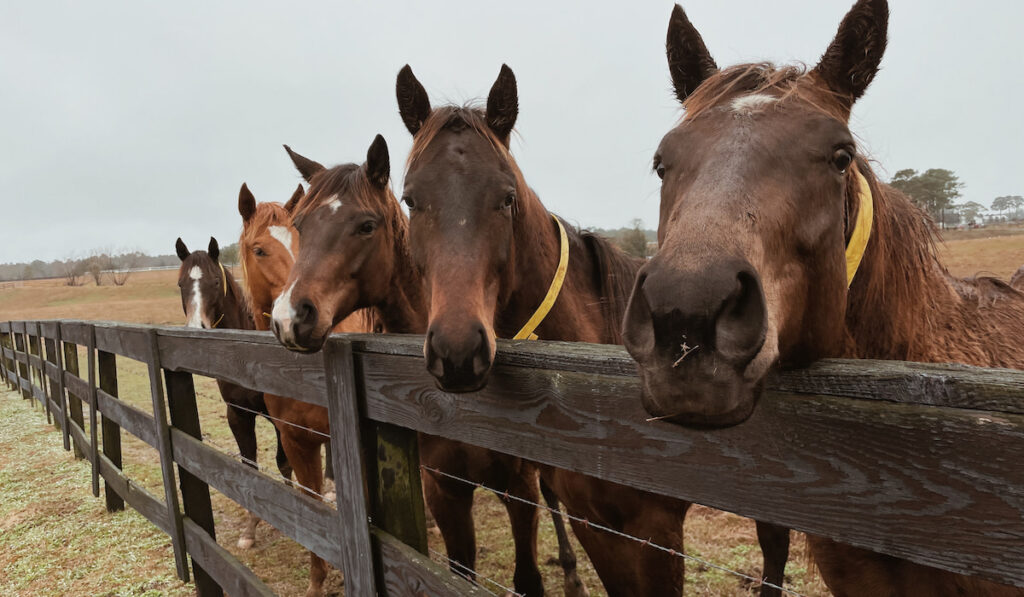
{"points": [[861, 230], [556, 287]]}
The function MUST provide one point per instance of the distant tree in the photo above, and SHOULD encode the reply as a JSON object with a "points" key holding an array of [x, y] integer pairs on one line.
{"points": [[971, 211], [229, 254], [123, 265], [72, 271], [1008, 203], [934, 190], [634, 241]]}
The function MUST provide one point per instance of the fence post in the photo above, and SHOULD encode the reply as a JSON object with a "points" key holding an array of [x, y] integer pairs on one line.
{"points": [[22, 368], [56, 386], [195, 494], [35, 349], [94, 443], [163, 433], [107, 363], [74, 402], [7, 340], [393, 478], [347, 451]]}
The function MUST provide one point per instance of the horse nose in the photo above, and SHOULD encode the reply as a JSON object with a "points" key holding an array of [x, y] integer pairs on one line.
{"points": [[304, 322], [459, 359], [719, 311]]}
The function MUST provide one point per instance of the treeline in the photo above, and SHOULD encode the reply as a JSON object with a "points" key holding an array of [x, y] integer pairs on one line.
{"points": [[101, 266], [936, 190], [635, 239]]}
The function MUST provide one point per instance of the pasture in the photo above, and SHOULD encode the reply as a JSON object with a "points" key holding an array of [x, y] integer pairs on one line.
{"points": [[42, 485]]}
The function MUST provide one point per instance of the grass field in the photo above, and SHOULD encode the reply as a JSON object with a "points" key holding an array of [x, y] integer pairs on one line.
{"points": [[55, 538]]}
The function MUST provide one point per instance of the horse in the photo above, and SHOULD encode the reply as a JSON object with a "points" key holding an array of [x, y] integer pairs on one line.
{"points": [[355, 255], [267, 249], [490, 254], [779, 246], [211, 298]]}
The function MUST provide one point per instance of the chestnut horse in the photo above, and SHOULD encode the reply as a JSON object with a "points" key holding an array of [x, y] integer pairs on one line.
{"points": [[267, 249], [769, 258], [354, 254], [211, 298], [489, 250]]}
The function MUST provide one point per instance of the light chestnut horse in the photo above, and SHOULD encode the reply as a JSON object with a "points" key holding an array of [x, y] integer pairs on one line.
{"points": [[769, 259], [267, 249]]}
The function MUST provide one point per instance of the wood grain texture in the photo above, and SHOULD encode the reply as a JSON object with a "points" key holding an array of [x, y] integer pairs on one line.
{"points": [[408, 573], [138, 498], [309, 522], [353, 521], [76, 332], [106, 368], [130, 418], [224, 569], [195, 494], [878, 475], [49, 329], [123, 339], [398, 507], [256, 365]]}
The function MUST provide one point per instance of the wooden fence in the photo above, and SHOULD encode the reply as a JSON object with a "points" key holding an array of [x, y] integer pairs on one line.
{"points": [[920, 461]]}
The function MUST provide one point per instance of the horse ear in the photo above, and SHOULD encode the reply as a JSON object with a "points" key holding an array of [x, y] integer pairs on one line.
{"points": [[306, 167], [214, 249], [413, 102], [851, 61], [296, 196], [246, 203], [378, 163], [689, 61], [181, 249], [503, 104]]}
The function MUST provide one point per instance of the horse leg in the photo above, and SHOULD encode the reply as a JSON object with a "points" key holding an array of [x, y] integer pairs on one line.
{"points": [[524, 517], [573, 586], [243, 427], [304, 456], [774, 542], [283, 466], [451, 503], [329, 490]]}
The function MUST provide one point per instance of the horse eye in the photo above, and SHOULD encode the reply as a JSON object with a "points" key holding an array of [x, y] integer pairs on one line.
{"points": [[842, 159], [409, 202], [660, 169], [259, 252], [367, 228], [509, 200]]}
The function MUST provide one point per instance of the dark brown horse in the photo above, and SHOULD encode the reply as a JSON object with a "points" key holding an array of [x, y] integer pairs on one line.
{"points": [[267, 247], [769, 258], [489, 251], [211, 298], [354, 254]]}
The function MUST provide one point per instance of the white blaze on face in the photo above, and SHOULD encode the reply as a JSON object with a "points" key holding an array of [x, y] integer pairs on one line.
{"points": [[334, 203], [284, 314], [284, 236], [748, 104], [195, 314]]}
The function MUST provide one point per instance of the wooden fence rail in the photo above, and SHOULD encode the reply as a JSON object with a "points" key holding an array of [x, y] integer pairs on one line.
{"points": [[918, 461]]}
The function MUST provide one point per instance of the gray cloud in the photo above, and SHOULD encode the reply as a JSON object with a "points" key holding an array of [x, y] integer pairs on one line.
{"points": [[128, 124]]}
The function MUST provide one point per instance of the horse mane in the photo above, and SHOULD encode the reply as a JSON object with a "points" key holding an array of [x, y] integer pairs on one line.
{"points": [[762, 77], [241, 297], [612, 274]]}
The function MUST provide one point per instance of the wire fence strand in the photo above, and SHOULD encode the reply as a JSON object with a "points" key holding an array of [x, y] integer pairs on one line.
{"points": [[467, 570], [283, 421], [594, 525]]}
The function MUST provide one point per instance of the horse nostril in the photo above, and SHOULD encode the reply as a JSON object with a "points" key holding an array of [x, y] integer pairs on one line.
{"points": [[637, 324], [482, 356], [741, 326]]}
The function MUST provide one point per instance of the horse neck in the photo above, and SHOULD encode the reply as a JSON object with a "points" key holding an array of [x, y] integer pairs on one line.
{"points": [[904, 305], [403, 310], [235, 309]]}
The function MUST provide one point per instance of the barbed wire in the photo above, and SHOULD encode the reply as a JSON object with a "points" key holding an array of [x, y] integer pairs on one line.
{"points": [[276, 475], [468, 570], [256, 412], [589, 524]]}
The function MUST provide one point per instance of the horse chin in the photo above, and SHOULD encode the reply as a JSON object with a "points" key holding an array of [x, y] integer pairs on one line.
{"points": [[722, 399]]}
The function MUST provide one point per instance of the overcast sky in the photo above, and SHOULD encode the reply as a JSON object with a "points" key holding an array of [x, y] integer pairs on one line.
{"points": [[127, 124]]}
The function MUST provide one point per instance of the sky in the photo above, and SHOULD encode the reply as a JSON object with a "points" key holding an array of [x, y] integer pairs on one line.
{"points": [[127, 124]]}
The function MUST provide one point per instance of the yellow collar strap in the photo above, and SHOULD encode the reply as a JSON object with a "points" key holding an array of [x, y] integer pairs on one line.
{"points": [[861, 230], [553, 291]]}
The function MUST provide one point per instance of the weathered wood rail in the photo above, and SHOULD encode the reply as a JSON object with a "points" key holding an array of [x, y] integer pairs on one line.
{"points": [[918, 461]]}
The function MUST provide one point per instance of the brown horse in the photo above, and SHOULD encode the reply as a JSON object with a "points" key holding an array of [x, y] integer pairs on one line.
{"points": [[211, 298], [267, 248], [769, 259], [354, 254], [1017, 281], [489, 251]]}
